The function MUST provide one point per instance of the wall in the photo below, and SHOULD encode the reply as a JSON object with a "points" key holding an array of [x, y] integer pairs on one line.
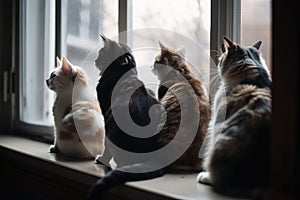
{"points": [[5, 59]]}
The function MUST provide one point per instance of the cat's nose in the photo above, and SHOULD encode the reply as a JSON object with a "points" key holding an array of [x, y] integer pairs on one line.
{"points": [[48, 83]]}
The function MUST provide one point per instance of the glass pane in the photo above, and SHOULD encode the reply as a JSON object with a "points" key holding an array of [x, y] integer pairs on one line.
{"points": [[82, 22], [37, 39], [177, 24], [191, 18], [256, 25]]}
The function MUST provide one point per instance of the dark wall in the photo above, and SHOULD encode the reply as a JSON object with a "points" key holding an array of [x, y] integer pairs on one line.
{"points": [[285, 141], [5, 59]]}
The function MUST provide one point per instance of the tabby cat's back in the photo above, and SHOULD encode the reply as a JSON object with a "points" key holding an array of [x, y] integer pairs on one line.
{"points": [[187, 106]]}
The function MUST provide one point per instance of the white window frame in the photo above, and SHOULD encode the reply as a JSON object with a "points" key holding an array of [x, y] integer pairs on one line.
{"points": [[43, 132]]}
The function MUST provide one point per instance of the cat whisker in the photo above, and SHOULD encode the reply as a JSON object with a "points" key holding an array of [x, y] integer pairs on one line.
{"points": [[214, 77], [217, 52], [214, 73]]}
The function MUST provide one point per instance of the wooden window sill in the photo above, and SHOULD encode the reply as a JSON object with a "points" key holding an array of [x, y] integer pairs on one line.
{"points": [[28, 164]]}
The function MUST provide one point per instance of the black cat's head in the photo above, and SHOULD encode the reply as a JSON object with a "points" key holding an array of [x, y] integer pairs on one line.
{"points": [[238, 63], [110, 52]]}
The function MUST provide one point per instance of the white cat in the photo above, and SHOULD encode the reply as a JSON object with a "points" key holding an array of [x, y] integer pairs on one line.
{"points": [[79, 123]]}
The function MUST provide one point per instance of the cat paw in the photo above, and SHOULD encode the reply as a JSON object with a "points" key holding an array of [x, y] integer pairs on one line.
{"points": [[53, 149], [203, 177]]}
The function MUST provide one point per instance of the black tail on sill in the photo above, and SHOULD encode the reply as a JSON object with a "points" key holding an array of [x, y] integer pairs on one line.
{"points": [[122, 175]]}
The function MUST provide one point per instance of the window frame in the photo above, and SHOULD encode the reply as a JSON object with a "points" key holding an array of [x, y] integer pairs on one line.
{"points": [[225, 21], [41, 132]]}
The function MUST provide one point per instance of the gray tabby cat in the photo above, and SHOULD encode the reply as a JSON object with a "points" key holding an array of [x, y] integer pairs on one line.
{"points": [[238, 160]]}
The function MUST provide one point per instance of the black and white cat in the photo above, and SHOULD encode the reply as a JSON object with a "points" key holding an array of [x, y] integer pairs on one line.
{"points": [[119, 92]]}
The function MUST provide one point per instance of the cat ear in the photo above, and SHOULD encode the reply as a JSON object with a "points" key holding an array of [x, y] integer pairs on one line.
{"points": [[163, 48], [103, 37], [105, 40], [257, 44], [58, 62], [227, 43], [66, 67], [181, 51]]}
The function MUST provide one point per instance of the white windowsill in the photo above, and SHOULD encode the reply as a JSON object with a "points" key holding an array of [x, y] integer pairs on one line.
{"points": [[170, 186]]}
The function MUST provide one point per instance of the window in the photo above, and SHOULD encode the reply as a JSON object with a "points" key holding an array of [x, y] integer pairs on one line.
{"points": [[81, 23], [36, 59], [256, 25], [71, 28], [176, 24]]}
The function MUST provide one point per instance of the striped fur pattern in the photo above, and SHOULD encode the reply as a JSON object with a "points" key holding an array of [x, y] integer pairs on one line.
{"points": [[170, 67], [79, 124], [237, 163]]}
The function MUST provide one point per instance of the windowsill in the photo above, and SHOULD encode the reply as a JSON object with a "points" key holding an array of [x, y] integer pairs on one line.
{"points": [[34, 156]]}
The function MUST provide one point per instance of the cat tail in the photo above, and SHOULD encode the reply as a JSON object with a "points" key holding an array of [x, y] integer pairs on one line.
{"points": [[207, 145], [121, 175]]}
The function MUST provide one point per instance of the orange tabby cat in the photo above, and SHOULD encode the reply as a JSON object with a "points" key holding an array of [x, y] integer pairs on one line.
{"points": [[79, 124], [184, 98]]}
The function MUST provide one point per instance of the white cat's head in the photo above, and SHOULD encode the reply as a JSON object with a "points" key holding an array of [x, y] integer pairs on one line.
{"points": [[63, 77]]}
